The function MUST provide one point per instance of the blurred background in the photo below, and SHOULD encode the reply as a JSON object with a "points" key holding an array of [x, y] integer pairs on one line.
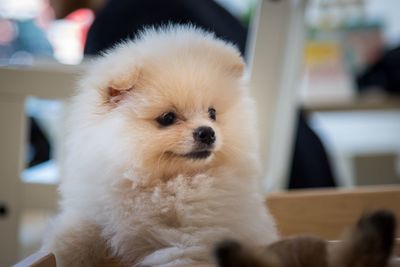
{"points": [[344, 127]]}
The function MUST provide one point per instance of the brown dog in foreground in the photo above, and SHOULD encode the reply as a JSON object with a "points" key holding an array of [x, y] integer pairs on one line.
{"points": [[368, 244]]}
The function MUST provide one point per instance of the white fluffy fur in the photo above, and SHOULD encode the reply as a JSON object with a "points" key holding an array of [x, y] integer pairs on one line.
{"points": [[125, 191]]}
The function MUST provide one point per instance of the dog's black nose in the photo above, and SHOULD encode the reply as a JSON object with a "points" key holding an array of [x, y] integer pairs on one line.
{"points": [[205, 135]]}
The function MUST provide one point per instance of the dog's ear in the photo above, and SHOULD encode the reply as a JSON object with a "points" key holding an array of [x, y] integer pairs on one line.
{"points": [[118, 88], [232, 62], [237, 69]]}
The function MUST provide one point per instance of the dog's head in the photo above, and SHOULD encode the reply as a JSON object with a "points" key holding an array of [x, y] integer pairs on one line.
{"points": [[179, 99]]}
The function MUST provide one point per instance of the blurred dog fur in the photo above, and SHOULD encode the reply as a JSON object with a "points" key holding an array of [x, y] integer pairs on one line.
{"points": [[161, 155], [368, 244]]}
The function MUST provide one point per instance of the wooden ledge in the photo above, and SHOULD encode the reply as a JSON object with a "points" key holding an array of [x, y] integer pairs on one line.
{"points": [[328, 212]]}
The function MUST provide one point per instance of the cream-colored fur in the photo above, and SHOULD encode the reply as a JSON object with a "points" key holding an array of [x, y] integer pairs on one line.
{"points": [[127, 190]]}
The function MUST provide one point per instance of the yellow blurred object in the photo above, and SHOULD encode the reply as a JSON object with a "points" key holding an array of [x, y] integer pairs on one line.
{"points": [[321, 53]]}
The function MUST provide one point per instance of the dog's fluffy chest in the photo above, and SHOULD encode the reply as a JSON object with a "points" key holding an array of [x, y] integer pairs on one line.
{"points": [[170, 203]]}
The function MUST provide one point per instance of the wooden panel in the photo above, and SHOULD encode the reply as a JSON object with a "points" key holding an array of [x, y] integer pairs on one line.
{"points": [[328, 212]]}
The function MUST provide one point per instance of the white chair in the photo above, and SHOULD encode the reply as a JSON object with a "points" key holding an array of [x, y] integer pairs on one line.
{"points": [[53, 81], [275, 56]]}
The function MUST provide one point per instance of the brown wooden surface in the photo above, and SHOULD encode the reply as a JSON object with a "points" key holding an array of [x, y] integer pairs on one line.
{"points": [[356, 104], [327, 213]]}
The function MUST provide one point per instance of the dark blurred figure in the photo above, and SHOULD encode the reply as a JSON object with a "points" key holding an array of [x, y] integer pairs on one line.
{"points": [[122, 19], [310, 163], [384, 74]]}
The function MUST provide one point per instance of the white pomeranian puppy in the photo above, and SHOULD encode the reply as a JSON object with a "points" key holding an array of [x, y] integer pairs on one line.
{"points": [[161, 155]]}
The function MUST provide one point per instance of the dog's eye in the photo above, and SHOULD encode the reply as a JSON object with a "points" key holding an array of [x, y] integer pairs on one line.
{"points": [[166, 119], [212, 113]]}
